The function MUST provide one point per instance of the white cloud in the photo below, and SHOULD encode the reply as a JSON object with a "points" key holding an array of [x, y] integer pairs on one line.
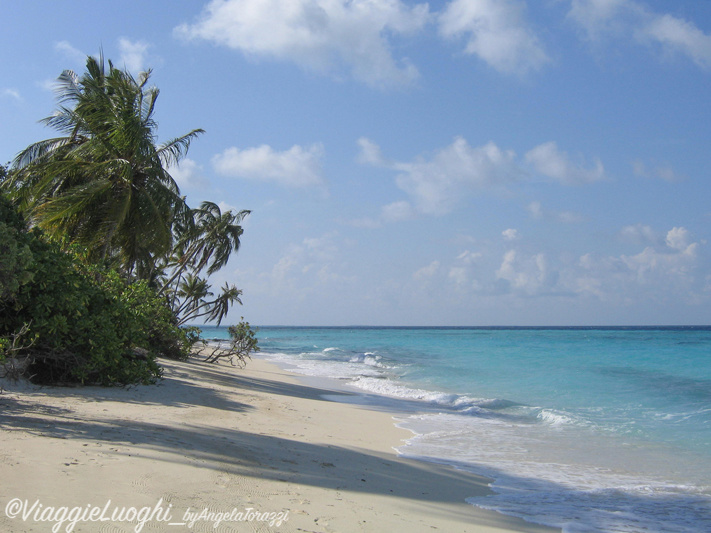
{"points": [[11, 93], [458, 275], [601, 19], [678, 239], [366, 222], [670, 263], [322, 249], [662, 171], [640, 234], [320, 35], [397, 211], [307, 264], [426, 272], [567, 217], [224, 207], [652, 266], [497, 33], [188, 174], [133, 55], [529, 275], [510, 234], [570, 217], [74, 55], [370, 153], [675, 35], [437, 185], [296, 167], [536, 209], [468, 257], [666, 268], [548, 160]]}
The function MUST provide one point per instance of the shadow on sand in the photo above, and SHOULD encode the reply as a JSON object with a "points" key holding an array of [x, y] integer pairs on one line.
{"points": [[242, 453]]}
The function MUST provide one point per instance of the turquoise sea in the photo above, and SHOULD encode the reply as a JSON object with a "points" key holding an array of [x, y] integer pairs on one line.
{"points": [[586, 429]]}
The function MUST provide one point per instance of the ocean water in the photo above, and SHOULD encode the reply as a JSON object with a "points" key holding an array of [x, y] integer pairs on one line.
{"points": [[585, 429]]}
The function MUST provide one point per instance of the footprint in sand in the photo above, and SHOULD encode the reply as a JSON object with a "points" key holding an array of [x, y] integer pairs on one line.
{"points": [[111, 528], [223, 480], [141, 484], [169, 497]]}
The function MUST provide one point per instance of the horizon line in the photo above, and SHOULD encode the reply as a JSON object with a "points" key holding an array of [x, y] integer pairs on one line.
{"points": [[578, 326]]}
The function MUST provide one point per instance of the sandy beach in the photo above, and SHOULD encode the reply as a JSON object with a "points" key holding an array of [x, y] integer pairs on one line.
{"points": [[219, 448]]}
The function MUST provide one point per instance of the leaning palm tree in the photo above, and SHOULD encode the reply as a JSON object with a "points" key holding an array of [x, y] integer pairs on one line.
{"points": [[194, 301], [103, 183], [205, 240]]}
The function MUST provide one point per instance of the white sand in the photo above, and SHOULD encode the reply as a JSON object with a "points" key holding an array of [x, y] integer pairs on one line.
{"points": [[227, 440]]}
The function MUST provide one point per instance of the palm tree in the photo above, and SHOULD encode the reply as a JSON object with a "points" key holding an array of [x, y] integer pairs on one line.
{"points": [[103, 184], [207, 239], [193, 303]]}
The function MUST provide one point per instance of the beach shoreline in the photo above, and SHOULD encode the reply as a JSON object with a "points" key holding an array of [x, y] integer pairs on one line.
{"points": [[252, 449]]}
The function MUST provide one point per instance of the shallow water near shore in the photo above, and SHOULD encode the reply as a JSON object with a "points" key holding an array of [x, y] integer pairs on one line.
{"points": [[586, 429]]}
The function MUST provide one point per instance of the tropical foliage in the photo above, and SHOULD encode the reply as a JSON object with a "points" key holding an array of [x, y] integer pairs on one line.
{"points": [[204, 243], [103, 183], [243, 341], [116, 261], [71, 322]]}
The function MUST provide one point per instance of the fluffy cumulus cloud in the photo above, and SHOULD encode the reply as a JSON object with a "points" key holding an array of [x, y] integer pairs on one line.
{"points": [[670, 263], [663, 266], [640, 234], [321, 35], [73, 54], [527, 275], [496, 31], [133, 54], [296, 167], [442, 181], [678, 239], [435, 186], [460, 273], [603, 19], [426, 272], [188, 174], [549, 160], [510, 234]]}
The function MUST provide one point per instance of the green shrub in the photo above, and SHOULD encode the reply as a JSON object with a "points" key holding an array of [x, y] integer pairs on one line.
{"points": [[82, 330], [15, 254], [243, 341], [244, 338], [83, 324]]}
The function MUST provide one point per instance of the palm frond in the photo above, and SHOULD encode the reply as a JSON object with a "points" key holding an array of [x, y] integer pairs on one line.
{"points": [[174, 150]]}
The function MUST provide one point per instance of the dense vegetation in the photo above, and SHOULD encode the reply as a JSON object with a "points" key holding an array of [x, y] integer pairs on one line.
{"points": [[101, 259]]}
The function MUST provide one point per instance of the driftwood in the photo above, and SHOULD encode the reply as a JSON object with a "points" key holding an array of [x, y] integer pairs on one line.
{"points": [[224, 351], [16, 356]]}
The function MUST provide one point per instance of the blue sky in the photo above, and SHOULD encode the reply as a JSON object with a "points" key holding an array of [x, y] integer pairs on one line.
{"points": [[473, 162]]}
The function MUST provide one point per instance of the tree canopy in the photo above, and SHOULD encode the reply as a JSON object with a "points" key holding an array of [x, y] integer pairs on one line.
{"points": [[104, 183], [101, 259]]}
